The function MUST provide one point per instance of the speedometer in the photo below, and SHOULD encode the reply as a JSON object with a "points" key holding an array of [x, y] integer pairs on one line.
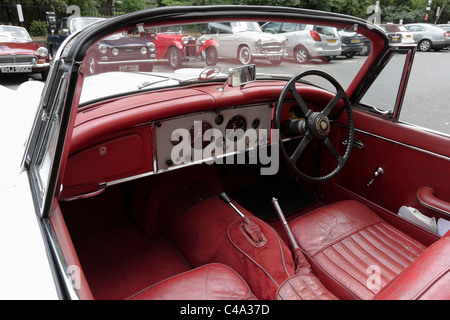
{"points": [[198, 137], [235, 128]]}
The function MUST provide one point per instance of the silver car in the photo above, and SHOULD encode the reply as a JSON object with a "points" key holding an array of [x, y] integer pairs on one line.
{"points": [[245, 41], [307, 41], [428, 36]]}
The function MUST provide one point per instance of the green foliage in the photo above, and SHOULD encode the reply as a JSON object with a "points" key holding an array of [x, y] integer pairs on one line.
{"points": [[38, 28], [395, 14], [126, 6]]}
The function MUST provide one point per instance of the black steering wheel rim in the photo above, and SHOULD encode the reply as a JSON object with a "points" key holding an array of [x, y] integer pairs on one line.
{"points": [[317, 125]]}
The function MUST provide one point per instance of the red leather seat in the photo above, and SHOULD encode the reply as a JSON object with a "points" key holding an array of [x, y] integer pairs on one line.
{"points": [[353, 251], [209, 282], [427, 278]]}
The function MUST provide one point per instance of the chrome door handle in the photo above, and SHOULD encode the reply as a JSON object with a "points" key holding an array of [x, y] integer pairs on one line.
{"points": [[356, 143], [377, 173]]}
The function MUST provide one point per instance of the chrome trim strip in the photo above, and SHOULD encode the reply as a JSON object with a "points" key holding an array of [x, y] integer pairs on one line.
{"points": [[60, 261], [401, 144], [128, 61], [138, 176]]}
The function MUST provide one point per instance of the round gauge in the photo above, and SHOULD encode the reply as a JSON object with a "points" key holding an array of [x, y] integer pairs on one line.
{"points": [[198, 137], [236, 123]]}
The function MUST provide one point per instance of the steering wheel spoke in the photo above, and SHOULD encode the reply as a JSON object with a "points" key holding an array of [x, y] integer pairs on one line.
{"points": [[330, 106], [300, 148], [299, 99], [334, 152], [317, 125]]}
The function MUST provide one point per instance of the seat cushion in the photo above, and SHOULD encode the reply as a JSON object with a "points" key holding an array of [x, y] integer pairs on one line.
{"points": [[353, 251], [303, 287], [209, 282]]}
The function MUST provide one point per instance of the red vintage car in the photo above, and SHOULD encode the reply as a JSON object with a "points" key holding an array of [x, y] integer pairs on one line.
{"points": [[19, 54], [266, 181], [138, 49], [172, 44]]}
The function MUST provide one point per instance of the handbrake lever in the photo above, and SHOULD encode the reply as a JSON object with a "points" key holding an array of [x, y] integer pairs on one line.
{"points": [[250, 228], [301, 264]]}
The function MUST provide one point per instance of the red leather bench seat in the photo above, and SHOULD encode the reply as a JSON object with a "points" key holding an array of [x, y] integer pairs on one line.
{"points": [[428, 277], [353, 251], [209, 282]]}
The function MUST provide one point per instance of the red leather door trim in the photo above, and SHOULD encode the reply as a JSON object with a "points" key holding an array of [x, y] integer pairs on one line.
{"points": [[428, 199]]}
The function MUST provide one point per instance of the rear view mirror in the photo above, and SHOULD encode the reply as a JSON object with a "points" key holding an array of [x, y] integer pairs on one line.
{"points": [[242, 75]]}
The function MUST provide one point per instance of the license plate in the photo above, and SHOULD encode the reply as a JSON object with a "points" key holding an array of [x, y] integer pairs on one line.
{"points": [[275, 58], [133, 67], [395, 38], [355, 41], [17, 69], [331, 41]]}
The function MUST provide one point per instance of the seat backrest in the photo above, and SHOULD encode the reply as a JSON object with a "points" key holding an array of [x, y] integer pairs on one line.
{"points": [[213, 281], [427, 278]]}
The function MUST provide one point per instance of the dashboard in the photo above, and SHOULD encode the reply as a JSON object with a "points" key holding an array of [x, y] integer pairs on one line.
{"points": [[211, 135], [207, 136]]}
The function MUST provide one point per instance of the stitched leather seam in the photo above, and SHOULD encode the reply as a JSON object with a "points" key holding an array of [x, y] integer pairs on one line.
{"points": [[179, 274], [343, 237], [312, 261], [388, 257], [295, 290], [348, 274], [431, 283], [365, 265], [311, 289], [401, 236], [248, 257]]}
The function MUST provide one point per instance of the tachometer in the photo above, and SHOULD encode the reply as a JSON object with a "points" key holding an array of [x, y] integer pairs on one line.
{"points": [[232, 129], [198, 137]]}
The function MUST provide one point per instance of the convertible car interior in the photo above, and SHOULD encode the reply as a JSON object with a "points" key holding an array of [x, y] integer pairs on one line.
{"points": [[244, 184]]}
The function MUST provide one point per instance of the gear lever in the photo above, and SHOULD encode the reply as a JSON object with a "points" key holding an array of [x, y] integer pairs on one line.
{"points": [[301, 264], [251, 228]]}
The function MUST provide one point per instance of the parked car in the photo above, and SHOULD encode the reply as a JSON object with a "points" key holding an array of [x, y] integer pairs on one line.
{"points": [[123, 51], [428, 36], [65, 27], [366, 46], [172, 44], [397, 33], [172, 185], [446, 27], [20, 54], [306, 41], [245, 41], [351, 43]]}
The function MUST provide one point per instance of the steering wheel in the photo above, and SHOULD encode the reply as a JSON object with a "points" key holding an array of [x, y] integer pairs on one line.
{"points": [[209, 73], [315, 126]]}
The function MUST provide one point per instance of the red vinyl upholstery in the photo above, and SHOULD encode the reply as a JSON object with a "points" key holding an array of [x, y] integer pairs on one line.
{"points": [[303, 287], [209, 282], [353, 251], [428, 277]]}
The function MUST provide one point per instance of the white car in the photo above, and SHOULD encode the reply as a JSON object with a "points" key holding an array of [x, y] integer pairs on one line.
{"points": [[245, 41], [307, 41], [112, 185], [397, 33]]}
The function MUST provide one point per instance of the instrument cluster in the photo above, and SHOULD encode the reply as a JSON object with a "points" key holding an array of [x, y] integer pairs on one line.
{"points": [[211, 135]]}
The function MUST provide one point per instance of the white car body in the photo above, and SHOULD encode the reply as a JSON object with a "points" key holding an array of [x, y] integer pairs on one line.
{"points": [[236, 35], [26, 272]]}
